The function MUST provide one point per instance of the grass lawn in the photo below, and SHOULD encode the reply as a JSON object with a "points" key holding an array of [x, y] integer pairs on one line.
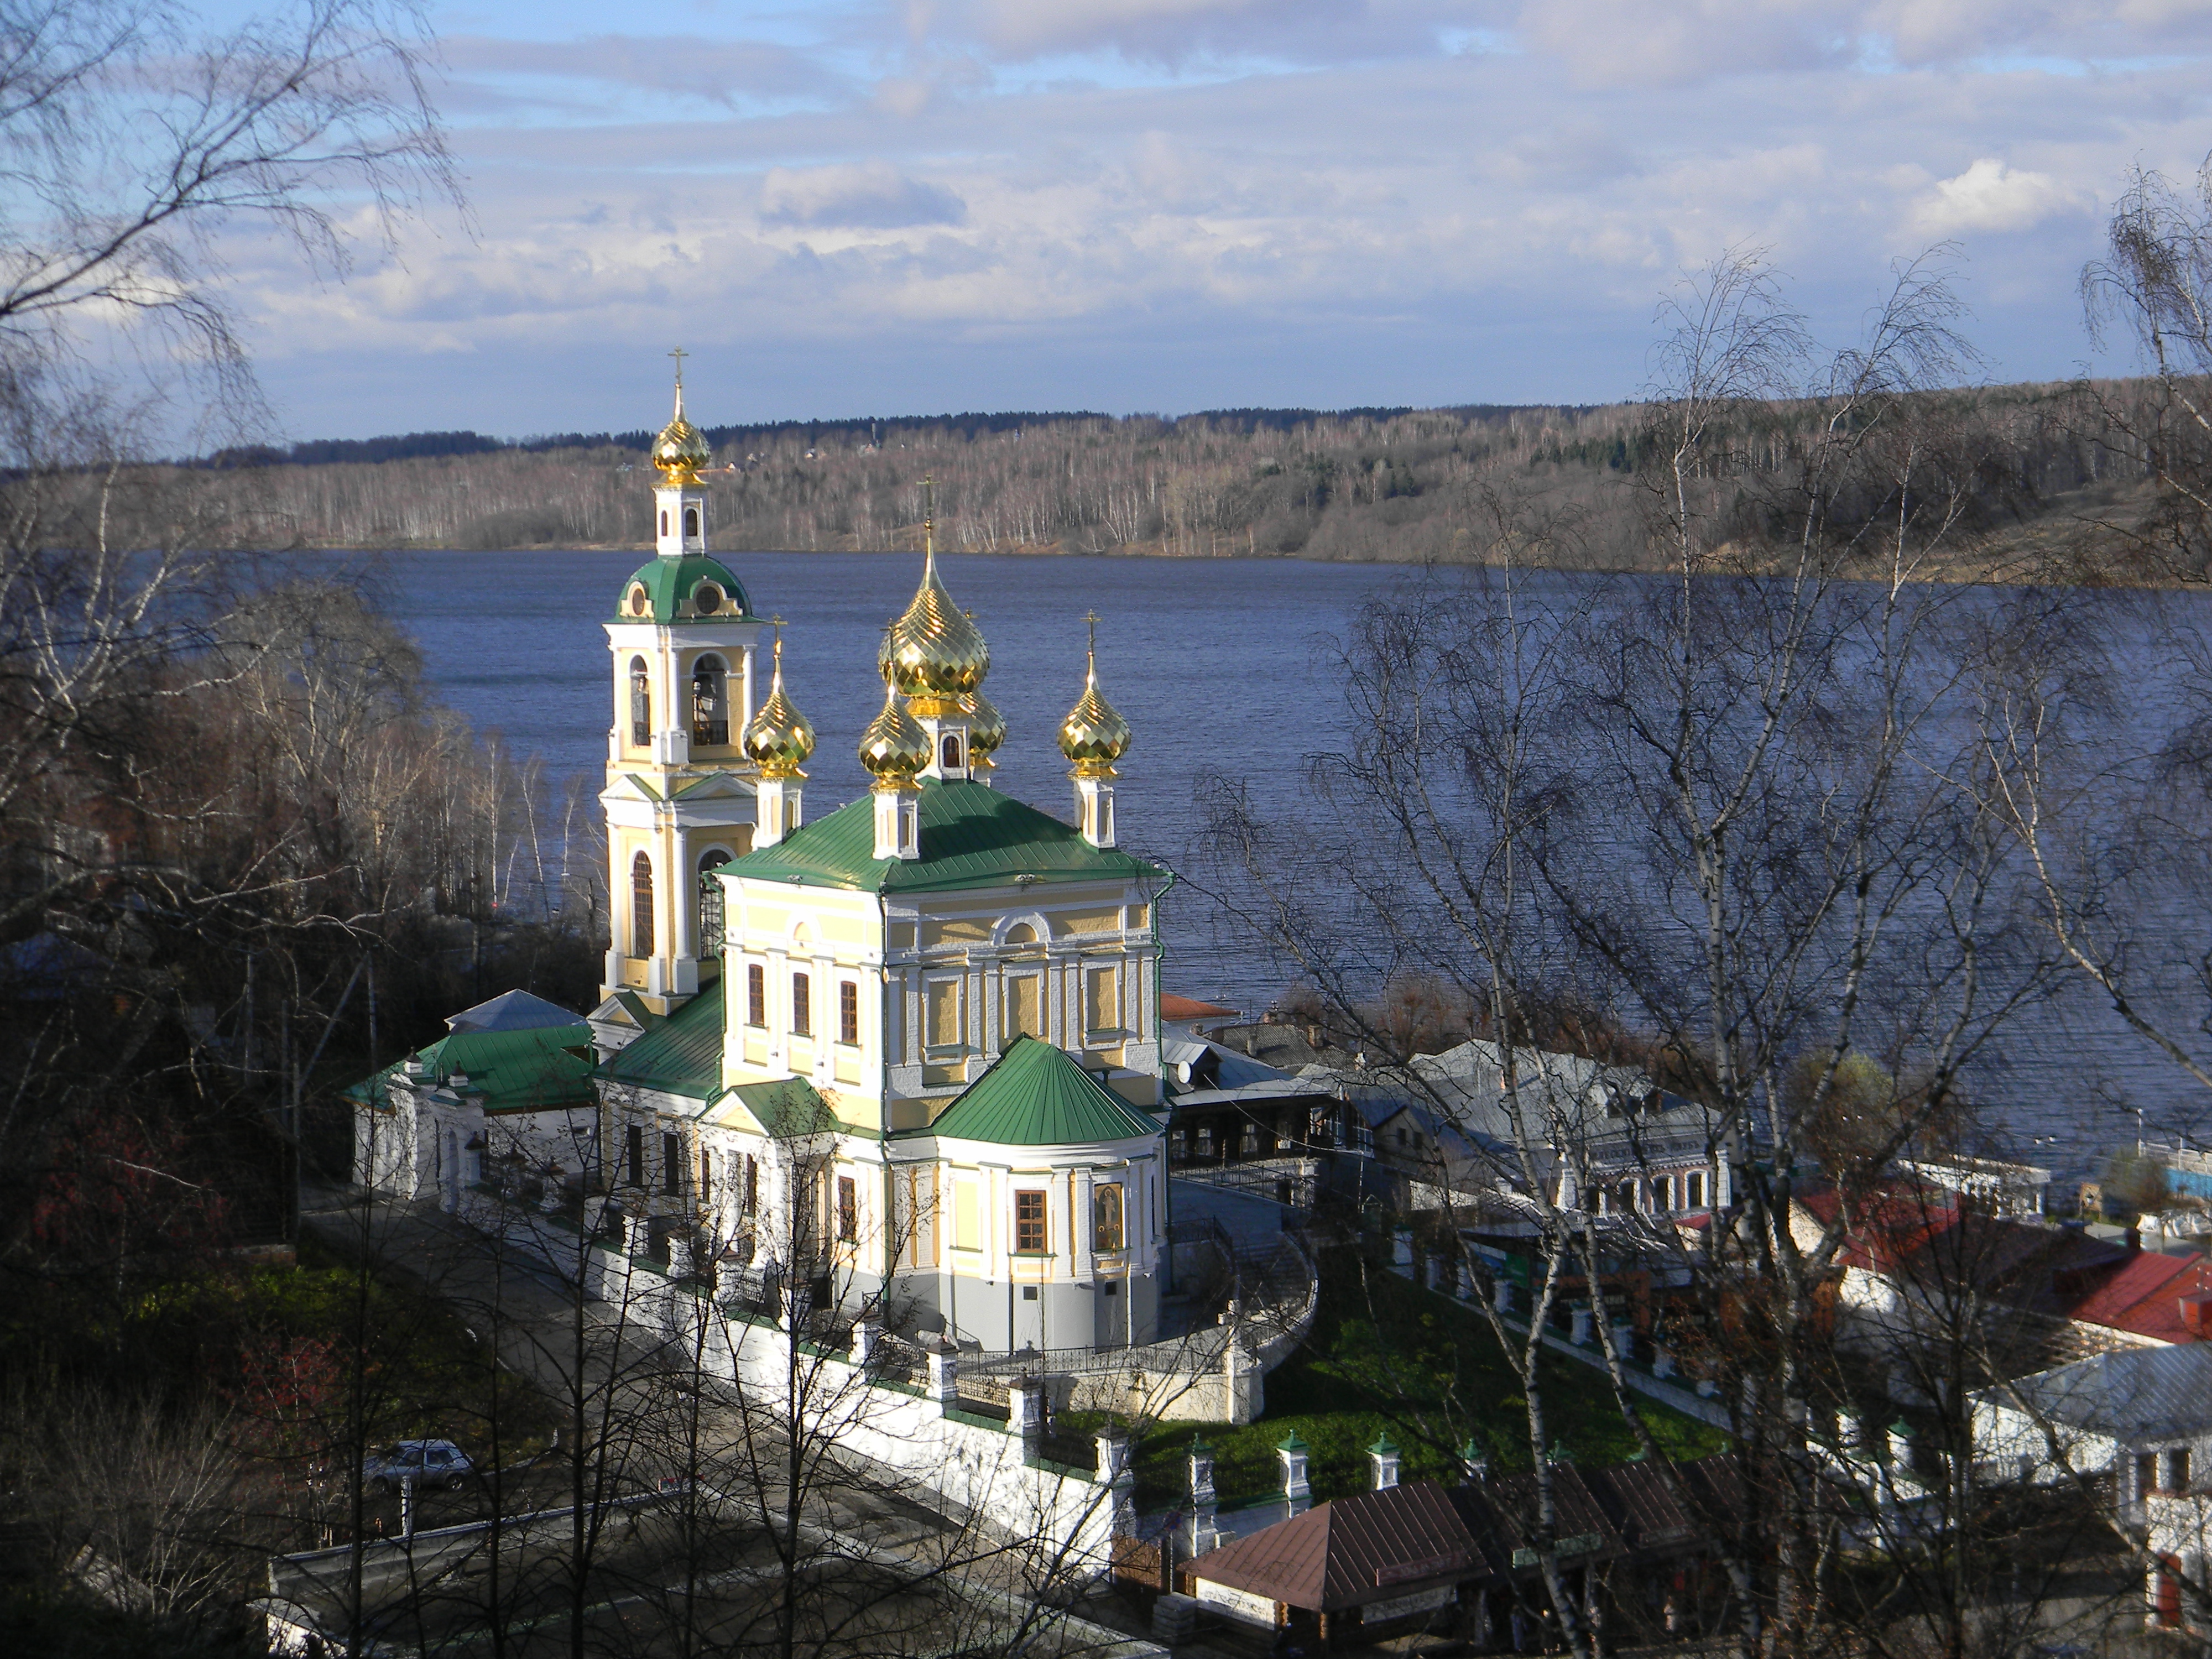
{"points": [[1385, 1357]]}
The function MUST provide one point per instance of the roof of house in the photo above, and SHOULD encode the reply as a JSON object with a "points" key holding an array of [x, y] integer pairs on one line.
{"points": [[971, 836], [1374, 1545], [2143, 1297], [2127, 1395], [511, 1011], [543, 1068], [789, 1106], [681, 1054], [1352, 1550], [1190, 1008], [1036, 1096]]}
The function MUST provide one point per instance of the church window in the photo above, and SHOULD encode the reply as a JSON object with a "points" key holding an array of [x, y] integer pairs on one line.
{"points": [[705, 1176], [848, 1011], [756, 994], [802, 1006], [664, 521], [707, 598], [671, 1163], [637, 599], [641, 704], [952, 753], [1029, 1222], [710, 703], [635, 1156], [640, 906], [1024, 1006], [710, 902], [1106, 1216], [1101, 1000], [691, 523], [848, 1209]]}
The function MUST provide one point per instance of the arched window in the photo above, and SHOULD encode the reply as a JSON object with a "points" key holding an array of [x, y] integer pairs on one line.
{"points": [[951, 752], [710, 902], [664, 521], [641, 704], [710, 704], [640, 906], [691, 524]]}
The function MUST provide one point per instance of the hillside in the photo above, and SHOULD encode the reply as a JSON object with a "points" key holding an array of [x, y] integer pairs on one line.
{"points": [[1401, 485]]}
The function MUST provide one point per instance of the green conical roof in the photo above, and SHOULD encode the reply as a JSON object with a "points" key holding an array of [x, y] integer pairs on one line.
{"points": [[1036, 1096]]}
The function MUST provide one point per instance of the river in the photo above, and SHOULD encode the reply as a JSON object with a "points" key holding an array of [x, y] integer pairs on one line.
{"points": [[1223, 669]]}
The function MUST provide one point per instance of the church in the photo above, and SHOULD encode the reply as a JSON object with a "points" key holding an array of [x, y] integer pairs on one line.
{"points": [[904, 1058]]}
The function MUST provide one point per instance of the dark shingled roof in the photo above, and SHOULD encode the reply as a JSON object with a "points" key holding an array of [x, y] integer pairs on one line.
{"points": [[1352, 1550]]}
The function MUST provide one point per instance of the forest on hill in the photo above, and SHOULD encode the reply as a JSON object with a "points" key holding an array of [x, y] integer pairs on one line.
{"points": [[2028, 467]]}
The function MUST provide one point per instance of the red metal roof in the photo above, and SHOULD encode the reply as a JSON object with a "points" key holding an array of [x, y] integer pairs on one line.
{"points": [[1188, 1008], [2145, 1297]]}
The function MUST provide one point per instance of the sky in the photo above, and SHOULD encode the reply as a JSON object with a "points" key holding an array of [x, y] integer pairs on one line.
{"points": [[852, 208]]}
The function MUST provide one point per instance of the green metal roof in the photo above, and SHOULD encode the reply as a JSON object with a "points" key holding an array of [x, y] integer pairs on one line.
{"points": [[1036, 1096], [669, 581], [789, 1106], [514, 1071], [681, 1055], [972, 836]]}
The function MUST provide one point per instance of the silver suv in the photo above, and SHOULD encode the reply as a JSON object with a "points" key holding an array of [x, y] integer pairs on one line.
{"points": [[427, 1463]]}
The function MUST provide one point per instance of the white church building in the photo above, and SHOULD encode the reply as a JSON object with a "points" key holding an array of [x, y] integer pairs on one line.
{"points": [[905, 1057]]}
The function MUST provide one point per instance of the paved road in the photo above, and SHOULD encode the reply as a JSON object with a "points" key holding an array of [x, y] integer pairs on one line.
{"points": [[532, 1313]]}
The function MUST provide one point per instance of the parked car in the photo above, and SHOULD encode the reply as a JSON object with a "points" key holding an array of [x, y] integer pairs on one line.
{"points": [[427, 1462]]}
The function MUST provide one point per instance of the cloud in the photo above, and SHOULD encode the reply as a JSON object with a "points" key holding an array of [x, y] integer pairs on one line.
{"points": [[874, 195], [729, 73], [1991, 196], [1176, 31]]}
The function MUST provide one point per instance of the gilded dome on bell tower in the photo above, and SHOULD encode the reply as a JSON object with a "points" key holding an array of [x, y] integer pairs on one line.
{"points": [[681, 449]]}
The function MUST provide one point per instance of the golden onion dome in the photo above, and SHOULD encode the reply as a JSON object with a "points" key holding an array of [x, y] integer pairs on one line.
{"points": [[934, 651], [986, 727], [778, 739], [1094, 735], [681, 449], [894, 748]]}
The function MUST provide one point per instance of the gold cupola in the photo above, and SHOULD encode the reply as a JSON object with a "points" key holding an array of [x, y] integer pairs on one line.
{"points": [[1094, 735], [780, 739], [987, 727], [681, 449], [893, 748], [933, 654]]}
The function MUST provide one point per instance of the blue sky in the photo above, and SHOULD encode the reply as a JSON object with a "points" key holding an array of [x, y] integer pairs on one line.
{"points": [[846, 209]]}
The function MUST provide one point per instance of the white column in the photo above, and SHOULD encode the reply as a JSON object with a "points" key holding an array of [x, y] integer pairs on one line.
{"points": [[1085, 1235]]}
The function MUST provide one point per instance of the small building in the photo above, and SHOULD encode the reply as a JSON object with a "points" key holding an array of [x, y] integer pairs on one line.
{"points": [[1189, 1015], [2141, 1419], [511, 1081], [1423, 1556]]}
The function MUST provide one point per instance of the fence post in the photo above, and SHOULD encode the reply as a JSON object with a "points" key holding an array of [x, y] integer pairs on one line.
{"points": [[944, 1376], [865, 1332], [1025, 1412]]}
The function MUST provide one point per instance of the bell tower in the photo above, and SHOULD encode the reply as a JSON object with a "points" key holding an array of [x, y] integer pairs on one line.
{"points": [[680, 794]]}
